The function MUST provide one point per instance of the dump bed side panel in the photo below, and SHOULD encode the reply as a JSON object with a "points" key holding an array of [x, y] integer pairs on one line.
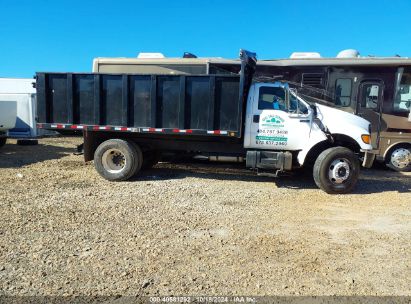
{"points": [[195, 104]]}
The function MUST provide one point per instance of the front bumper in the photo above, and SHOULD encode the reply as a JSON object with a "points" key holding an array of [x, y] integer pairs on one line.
{"points": [[369, 157]]}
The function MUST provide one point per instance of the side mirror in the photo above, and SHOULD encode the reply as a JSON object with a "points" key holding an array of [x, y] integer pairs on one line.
{"points": [[314, 108]]}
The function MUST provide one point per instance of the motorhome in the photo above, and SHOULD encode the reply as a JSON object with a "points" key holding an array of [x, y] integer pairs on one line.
{"points": [[376, 88]]}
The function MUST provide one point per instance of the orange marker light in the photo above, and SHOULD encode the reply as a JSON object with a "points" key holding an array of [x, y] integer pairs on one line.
{"points": [[366, 138]]}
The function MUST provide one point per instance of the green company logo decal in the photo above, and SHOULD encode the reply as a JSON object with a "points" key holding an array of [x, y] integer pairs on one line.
{"points": [[272, 121], [271, 138]]}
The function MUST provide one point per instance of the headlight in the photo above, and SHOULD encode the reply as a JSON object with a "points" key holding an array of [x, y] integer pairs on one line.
{"points": [[366, 138]]}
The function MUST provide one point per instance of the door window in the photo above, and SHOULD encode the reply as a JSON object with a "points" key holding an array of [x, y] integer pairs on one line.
{"points": [[272, 98], [370, 96]]}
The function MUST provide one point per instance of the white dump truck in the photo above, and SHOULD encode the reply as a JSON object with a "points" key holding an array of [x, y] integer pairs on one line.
{"points": [[128, 120]]}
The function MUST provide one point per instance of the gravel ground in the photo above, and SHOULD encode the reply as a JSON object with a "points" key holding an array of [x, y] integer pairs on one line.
{"points": [[195, 229]]}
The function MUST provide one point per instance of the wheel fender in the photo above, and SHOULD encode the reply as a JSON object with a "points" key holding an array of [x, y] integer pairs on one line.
{"points": [[393, 146], [302, 155]]}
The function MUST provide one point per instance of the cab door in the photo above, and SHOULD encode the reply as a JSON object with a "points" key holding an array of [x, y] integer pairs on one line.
{"points": [[369, 105], [277, 120]]}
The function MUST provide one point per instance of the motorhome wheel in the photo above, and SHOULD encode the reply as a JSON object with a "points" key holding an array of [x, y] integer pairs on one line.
{"points": [[399, 159]]}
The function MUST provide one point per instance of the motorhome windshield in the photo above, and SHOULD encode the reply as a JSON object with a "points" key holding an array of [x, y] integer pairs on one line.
{"points": [[402, 100]]}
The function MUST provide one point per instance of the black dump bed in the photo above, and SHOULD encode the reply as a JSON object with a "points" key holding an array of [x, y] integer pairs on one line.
{"points": [[209, 105]]}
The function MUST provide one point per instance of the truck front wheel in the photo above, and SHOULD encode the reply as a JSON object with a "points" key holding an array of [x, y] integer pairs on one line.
{"points": [[336, 170], [117, 159]]}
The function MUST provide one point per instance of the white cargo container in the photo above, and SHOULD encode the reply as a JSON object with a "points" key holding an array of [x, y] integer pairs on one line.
{"points": [[8, 114], [20, 91]]}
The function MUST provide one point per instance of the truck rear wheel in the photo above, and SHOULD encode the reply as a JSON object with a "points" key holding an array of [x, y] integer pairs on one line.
{"points": [[117, 159], [336, 170]]}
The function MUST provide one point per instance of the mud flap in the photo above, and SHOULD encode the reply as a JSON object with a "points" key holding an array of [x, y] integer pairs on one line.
{"points": [[369, 157]]}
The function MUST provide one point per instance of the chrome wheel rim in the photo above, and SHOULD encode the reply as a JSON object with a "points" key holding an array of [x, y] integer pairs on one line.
{"points": [[113, 160], [401, 158], [339, 171]]}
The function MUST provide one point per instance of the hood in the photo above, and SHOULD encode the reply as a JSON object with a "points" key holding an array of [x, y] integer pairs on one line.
{"points": [[333, 117], [340, 122]]}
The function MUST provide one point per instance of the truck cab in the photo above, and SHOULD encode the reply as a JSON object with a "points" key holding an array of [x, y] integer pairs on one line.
{"points": [[283, 132]]}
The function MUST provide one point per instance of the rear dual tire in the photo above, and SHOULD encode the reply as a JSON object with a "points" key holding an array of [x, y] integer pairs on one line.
{"points": [[118, 159], [336, 170]]}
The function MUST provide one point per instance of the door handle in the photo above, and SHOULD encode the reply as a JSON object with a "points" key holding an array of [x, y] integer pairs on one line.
{"points": [[256, 118], [304, 120]]}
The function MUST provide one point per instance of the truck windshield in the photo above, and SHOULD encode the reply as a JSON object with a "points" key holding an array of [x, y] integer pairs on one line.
{"points": [[402, 100], [296, 106]]}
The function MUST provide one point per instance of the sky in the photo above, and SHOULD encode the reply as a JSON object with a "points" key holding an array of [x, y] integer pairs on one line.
{"points": [[65, 36]]}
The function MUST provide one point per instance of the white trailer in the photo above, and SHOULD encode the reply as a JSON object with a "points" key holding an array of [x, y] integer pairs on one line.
{"points": [[8, 114], [20, 94]]}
